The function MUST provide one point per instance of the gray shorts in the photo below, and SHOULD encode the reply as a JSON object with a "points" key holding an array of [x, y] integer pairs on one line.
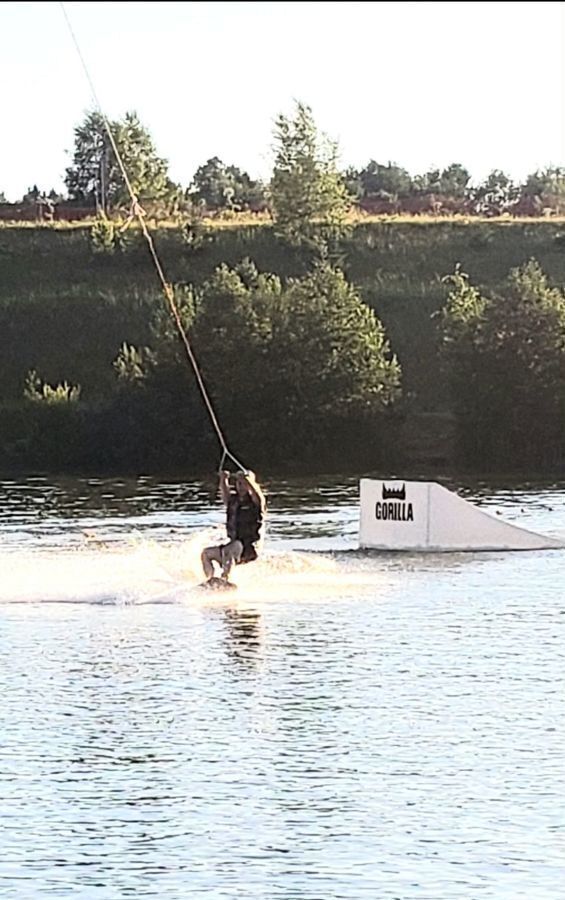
{"points": [[224, 554]]}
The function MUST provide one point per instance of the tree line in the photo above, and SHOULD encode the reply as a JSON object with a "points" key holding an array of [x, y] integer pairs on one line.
{"points": [[303, 373], [301, 369], [94, 182]]}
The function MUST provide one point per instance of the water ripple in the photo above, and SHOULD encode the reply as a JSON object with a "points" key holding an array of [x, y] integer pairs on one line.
{"points": [[355, 727]]}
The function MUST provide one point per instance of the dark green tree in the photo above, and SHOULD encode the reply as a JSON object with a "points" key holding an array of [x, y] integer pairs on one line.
{"points": [[87, 180], [292, 362], [454, 181], [248, 193], [306, 186], [451, 182], [212, 185], [218, 186], [428, 183], [295, 371], [384, 181], [496, 195], [505, 356], [352, 182], [95, 177], [546, 188], [32, 195], [331, 353]]}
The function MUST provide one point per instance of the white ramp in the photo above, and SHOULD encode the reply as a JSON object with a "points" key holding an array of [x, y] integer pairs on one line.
{"points": [[424, 516]]}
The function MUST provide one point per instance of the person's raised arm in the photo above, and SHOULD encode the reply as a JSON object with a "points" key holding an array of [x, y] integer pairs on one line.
{"points": [[225, 487]]}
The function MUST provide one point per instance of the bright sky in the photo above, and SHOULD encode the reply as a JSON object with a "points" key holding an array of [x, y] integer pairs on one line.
{"points": [[422, 84]]}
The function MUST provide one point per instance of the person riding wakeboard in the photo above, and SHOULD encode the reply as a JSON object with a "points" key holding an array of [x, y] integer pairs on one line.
{"points": [[245, 512]]}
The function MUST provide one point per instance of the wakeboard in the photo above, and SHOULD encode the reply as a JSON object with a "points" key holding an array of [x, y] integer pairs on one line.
{"points": [[218, 584]]}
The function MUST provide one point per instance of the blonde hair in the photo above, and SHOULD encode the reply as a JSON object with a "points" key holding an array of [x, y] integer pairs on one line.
{"points": [[251, 479]]}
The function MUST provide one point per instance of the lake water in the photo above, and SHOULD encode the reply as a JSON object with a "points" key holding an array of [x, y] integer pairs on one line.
{"points": [[345, 725]]}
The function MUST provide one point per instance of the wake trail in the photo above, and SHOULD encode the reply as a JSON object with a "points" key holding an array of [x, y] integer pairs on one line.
{"points": [[142, 571]]}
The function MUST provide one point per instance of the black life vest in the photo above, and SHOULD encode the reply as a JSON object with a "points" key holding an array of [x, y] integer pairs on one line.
{"points": [[244, 520]]}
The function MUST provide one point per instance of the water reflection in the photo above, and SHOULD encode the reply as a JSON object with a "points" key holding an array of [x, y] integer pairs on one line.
{"points": [[243, 634]]}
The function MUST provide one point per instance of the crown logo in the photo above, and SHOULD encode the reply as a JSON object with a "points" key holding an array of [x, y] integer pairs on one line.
{"points": [[394, 493]]}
